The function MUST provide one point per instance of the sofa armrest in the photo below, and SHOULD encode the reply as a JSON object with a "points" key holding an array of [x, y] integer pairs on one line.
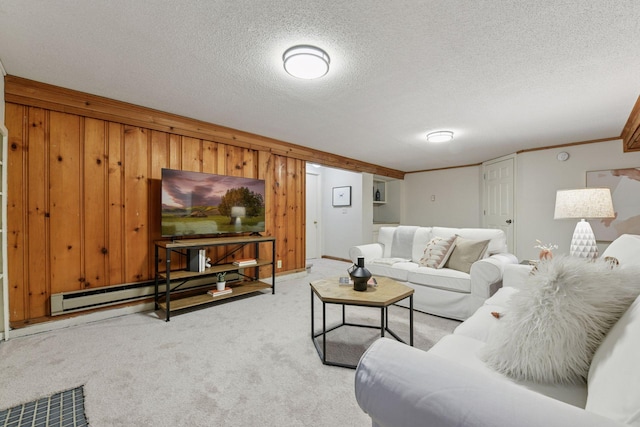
{"points": [[486, 274], [398, 385], [515, 275], [369, 252]]}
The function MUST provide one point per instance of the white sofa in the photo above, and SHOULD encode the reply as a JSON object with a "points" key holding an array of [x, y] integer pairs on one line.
{"points": [[441, 291], [449, 385]]}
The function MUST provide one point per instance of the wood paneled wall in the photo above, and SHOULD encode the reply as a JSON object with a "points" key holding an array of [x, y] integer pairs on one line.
{"points": [[84, 200]]}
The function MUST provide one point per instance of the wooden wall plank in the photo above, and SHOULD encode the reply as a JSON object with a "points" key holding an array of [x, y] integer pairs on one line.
{"points": [[37, 208], [210, 157], [16, 119], [65, 203], [95, 190], [115, 249], [191, 154], [160, 153], [29, 92], [76, 166], [136, 192]]}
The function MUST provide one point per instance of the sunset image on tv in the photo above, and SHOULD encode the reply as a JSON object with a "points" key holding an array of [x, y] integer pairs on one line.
{"points": [[195, 203]]}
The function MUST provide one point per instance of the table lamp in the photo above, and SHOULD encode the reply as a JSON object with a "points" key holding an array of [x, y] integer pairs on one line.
{"points": [[584, 203]]}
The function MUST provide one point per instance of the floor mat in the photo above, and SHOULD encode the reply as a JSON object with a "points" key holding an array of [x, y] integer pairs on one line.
{"points": [[64, 409]]}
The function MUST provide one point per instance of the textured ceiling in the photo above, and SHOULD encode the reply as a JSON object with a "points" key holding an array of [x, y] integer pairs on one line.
{"points": [[503, 75]]}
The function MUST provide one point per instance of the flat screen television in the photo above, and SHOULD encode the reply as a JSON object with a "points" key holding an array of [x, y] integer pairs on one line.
{"points": [[200, 204]]}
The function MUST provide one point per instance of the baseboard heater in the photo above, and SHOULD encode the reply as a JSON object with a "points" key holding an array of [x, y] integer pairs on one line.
{"points": [[70, 302]]}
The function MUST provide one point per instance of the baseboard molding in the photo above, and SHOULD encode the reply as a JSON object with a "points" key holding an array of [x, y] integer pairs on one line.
{"points": [[82, 319], [336, 258]]}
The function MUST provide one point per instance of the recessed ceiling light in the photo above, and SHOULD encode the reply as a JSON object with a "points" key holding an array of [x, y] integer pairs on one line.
{"points": [[440, 136], [306, 62]]}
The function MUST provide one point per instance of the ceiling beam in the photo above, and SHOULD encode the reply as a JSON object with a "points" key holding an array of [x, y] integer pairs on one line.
{"points": [[36, 94], [631, 131]]}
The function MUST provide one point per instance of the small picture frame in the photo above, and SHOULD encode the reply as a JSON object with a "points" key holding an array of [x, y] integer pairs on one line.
{"points": [[341, 196]]}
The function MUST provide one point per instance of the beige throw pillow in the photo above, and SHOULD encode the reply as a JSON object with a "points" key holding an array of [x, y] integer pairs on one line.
{"points": [[437, 252], [465, 253]]}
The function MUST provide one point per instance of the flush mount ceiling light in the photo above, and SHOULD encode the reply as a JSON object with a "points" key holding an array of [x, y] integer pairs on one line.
{"points": [[440, 136], [306, 62]]}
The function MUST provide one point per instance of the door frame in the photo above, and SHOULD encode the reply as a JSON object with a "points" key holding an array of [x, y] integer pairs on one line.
{"points": [[514, 228], [318, 196], [4, 333]]}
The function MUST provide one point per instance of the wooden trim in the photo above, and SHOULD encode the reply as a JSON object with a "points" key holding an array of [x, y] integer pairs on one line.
{"points": [[631, 132], [448, 167], [335, 258], [571, 144], [527, 150], [35, 94]]}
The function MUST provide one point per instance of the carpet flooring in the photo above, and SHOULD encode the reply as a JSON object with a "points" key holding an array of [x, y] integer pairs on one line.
{"points": [[242, 362]]}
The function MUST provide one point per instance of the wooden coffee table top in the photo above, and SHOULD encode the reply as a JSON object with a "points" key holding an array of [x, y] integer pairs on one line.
{"points": [[386, 293]]}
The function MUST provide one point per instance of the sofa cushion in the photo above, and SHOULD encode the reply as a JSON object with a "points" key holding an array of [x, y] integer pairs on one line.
{"points": [[385, 238], [465, 253], [420, 240], [443, 278], [552, 327], [402, 242], [626, 249], [614, 374], [465, 350], [480, 324], [398, 271], [437, 252], [497, 238]]}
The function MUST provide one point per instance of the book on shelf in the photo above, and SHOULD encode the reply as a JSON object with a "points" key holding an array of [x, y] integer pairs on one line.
{"points": [[202, 259], [245, 262], [217, 293]]}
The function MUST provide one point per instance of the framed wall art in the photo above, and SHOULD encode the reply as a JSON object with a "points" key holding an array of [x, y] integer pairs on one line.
{"points": [[625, 194], [341, 196]]}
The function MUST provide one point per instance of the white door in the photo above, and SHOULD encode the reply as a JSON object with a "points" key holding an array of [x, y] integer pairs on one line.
{"points": [[313, 216], [498, 198]]}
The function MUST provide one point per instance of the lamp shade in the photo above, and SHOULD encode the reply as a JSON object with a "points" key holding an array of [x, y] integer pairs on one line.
{"points": [[584, 203]]}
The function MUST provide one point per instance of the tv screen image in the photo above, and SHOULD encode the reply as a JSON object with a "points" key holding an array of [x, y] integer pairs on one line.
{"points": [[196, 203]]}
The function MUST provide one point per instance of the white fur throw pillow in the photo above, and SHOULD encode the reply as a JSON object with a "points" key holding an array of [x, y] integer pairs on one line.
{"points": [[437, 251], [550, 330]]}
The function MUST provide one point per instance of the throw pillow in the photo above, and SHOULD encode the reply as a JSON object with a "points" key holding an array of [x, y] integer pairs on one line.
{"points": [[465, 253], [437, 252], [551, 328]]}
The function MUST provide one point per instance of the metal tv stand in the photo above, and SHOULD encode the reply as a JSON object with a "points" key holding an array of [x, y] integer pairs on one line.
{"points": [[184, 281]]}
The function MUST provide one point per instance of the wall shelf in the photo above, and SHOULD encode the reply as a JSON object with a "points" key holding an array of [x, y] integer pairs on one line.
{"points": [[379, 192]]}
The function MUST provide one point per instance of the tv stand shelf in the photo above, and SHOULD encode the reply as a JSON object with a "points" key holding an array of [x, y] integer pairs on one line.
{"points": [[173, 301]]}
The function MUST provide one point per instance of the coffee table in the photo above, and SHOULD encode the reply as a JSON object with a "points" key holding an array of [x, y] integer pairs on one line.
{"points": [[329, 291]]}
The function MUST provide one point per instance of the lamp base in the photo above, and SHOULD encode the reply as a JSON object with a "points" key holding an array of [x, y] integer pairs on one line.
{"points": [[583, 243]]}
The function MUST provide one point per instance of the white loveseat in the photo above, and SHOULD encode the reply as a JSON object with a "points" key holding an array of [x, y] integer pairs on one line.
{"points": [[441, 291], [450, 385]]}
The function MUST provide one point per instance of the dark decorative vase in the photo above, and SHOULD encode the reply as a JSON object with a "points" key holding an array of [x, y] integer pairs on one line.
{"points": [[359, 275]]}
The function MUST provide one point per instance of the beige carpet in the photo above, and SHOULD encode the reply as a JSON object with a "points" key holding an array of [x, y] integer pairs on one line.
{"points": [[245, 362]]}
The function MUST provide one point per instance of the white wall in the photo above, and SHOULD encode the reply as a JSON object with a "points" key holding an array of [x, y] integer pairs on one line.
{"points": [[457, 198], [538, 176], [344, 227]]}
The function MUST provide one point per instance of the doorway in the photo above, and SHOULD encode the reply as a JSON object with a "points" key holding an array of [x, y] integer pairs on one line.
{"points": [[499, 196], [313, 216]]}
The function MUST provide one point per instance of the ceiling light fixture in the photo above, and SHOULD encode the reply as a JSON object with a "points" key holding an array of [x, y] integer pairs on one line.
{"points": [[306, 62], [440, 136]]}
